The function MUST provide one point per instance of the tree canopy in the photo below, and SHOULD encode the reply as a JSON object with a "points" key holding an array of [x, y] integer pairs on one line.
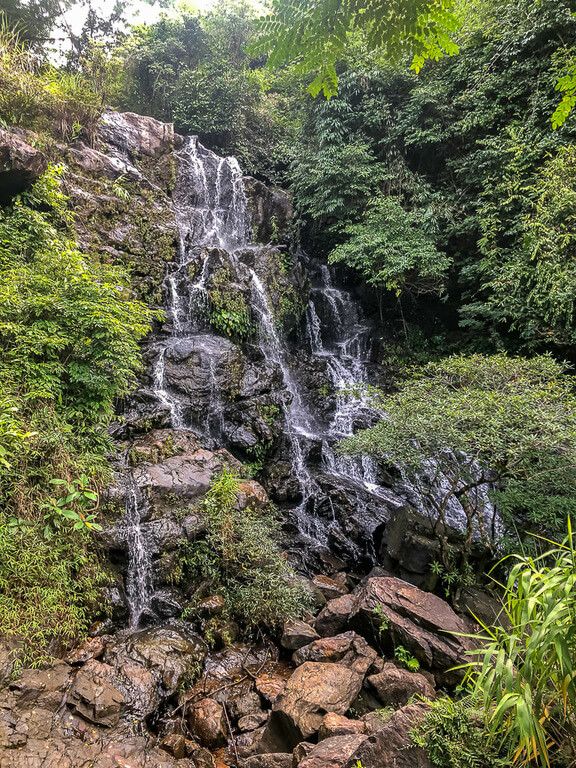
{"points": [[314, 36]]}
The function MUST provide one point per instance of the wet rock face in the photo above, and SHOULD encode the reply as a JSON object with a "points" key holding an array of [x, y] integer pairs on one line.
{"points": [[171, 472], [271, 212], [20, 164]]}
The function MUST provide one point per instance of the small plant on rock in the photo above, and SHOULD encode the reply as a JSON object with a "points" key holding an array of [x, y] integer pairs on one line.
{"points": [[240, 559], [404, 657]]}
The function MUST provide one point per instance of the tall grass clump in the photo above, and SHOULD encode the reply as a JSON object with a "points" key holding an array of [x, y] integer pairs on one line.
{"points": [[525, 672]]}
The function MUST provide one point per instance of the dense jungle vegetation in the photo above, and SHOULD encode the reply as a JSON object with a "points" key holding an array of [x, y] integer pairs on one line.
{"points": [[440, 175]]}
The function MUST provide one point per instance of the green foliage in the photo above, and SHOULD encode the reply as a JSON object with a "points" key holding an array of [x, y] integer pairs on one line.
{"points": [[382, 621], [69, 332], [394, 249], [194, 70], [510, 422], [453, 736], [525, 673], [531, 287], [335, 182], [404, 657], [72, 340], [229, 310], [78, 506], [315, 36], [49, 589], [240, 559], [466, 145], [33, 19], [566, 85], [41, 97]]}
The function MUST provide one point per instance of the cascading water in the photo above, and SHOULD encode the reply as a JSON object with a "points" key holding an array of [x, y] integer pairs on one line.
{"points": [[211, 212], [300, 427], [343, 341], [139, 584], [214, 227]]}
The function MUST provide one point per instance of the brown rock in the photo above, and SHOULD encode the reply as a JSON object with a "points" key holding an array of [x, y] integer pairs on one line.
{"points": [[247, 743], [338, 725], [296, 634], [174, 744], [141, 135], [312, 691], [336, 752], [420, 621], [301, 751], [202, 758], [395, 686], [271, 685], [349, 649], [269, 760], [212, 605], [95, 696], [331, 588], [20, 164], [335, 615], [252, 721], [242, 705], [93, 648], [391, 746], [207, 723]]}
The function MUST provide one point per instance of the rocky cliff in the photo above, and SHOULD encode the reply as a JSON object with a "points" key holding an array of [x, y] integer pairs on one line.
{"points": [[253, 365]]}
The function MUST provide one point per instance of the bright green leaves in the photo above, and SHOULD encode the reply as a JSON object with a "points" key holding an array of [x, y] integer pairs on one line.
{"points": [[77, 506], [69, 328], [393, 248], [524, 673], [567, 87], [314, 36]]}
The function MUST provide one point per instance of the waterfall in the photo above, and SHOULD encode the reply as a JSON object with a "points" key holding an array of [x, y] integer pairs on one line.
{"points": [[214, 227], [345, 348], [300, 426], [139, 583]]}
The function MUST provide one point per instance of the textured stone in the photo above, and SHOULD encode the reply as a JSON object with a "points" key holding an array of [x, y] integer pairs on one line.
{"points": [[338, 725], [20, 164], [335, 752], [420, 621], [207, 723], [391, 745], [269, 760], [395, 686], [296, 634], [313, 690], [349, 649], [335, 615]]}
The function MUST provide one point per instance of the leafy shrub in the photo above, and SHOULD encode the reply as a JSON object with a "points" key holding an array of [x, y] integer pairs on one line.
{"points": [[394, 249], [477, 421], [39, 96], [69, 332], [531, 288], [525, 673], [49, 589], [453, 736], [334, 183], [240, 559]]}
